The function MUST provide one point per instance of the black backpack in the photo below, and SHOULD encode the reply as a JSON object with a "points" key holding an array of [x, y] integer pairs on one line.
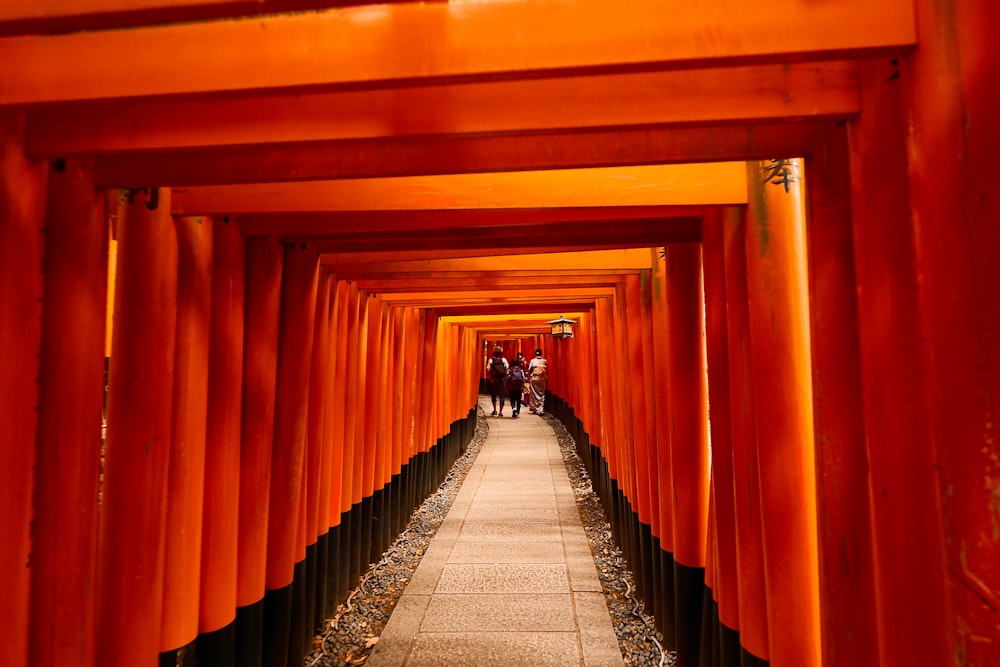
{"points": [[497, 371]]}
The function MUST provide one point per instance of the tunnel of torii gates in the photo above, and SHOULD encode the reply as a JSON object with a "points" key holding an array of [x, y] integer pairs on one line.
{"points": [[292, 239]]}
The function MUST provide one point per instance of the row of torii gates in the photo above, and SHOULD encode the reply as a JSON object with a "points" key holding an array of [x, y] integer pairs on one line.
{"points": [[290, 236]]}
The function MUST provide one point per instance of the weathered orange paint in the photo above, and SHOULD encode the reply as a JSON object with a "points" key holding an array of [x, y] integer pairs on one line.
{"points": [[779, 347], [71, 389], [725, 582], [468, 42], [313, 470], [411, 156], [953, 194], [298, 310], [22, 208], [749, 537], [137, 449], [220, 538], [383, 404], [326, 475], [847, 585], [336, 417], [369, 396], [356, 382], [186, 479], [639, 382], [648, 394], [688, 403], [651, 185], [661, 396], [912, 609], [260, 366], [749, 94]]}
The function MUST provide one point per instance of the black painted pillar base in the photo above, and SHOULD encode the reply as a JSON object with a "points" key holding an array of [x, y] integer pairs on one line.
{"points": [[668, 623], [298, 627], [217, 648], [689, 585], [355, 545], [277, 627], [249, 632], [319, 593]]}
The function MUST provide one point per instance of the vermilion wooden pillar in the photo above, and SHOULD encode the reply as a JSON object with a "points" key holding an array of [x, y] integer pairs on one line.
{"points": [[665, 490], [71, 391], [654, 601], [186, 477], [22, 211], [749, 532], [908, 538], [220, 537], [298, 308], [689, 439], [334, 435], [717, 353], [260, 366], [354, 434], [952, 144], [640, 436], [847, 586], [779, 346], [318, 461], [137, 449]]}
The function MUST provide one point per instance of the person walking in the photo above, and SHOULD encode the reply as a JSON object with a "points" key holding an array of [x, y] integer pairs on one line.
{"points": [[538, 372], [515, 385], [496, 370]]}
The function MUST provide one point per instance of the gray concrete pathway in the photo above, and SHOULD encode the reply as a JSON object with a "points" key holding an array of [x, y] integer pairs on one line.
{"points": [[509, 578]]}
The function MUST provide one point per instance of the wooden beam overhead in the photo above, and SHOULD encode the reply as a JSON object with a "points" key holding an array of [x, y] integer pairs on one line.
{"points": [[426, 156], [612, 233], [606, 260], [721, 183], [750, 94], [303, 225], [380, 45]]}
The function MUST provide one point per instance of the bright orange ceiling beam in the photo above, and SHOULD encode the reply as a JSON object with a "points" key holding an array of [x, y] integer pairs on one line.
{"points": [[721, 183], [482, 281], [437, 41], [369, 222], [577, 261], [751, 94], [357, 258], [553, 236], [456, 154]]}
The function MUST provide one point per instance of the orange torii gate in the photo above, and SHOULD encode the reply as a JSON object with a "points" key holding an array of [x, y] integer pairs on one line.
{"points": [[850, 514]]}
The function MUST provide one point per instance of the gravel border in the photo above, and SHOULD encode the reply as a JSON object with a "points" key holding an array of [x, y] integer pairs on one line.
{"points": [[354, 630]]}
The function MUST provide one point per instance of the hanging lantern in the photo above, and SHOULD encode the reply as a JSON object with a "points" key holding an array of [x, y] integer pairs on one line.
{"points": [[562, 328]]}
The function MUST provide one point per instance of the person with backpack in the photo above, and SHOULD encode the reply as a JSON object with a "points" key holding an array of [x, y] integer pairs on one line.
{"points": [[496, 370], [515, 385]]}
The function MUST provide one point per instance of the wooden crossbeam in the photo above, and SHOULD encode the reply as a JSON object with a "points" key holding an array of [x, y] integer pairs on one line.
{"points": [[380, 158], [378, 45], [721, 183], [304, 225], [607, 260], [614, 233], [750, 94]]}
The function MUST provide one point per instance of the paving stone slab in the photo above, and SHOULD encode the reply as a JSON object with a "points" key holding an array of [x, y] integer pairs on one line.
{"points": [[507, 613], [498, 649], [503, 578]]}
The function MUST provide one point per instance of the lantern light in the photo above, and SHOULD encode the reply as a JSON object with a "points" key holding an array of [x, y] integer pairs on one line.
{"points": [[562, 327]]}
